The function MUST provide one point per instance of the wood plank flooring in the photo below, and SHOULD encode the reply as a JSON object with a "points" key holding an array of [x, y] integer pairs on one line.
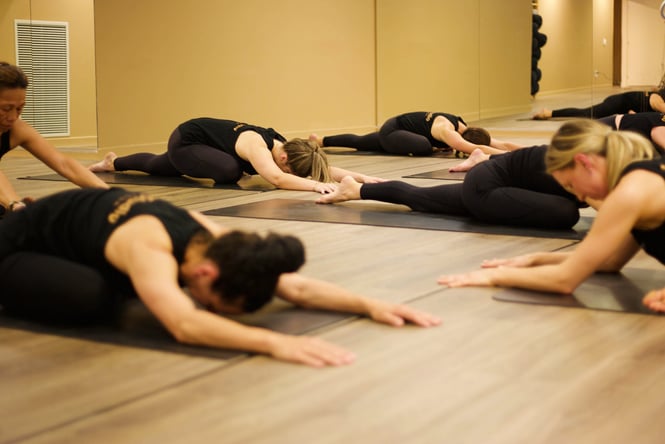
{"points": [[493, 372]]}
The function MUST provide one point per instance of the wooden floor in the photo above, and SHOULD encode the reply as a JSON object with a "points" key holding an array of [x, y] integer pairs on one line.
{"points": [[493, 372]]}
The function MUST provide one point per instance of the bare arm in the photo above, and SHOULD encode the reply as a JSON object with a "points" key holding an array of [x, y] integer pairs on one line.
{"points": [[503, 145], [339, 173], [443, 130], [314, 293], [253, 148], [141, 248], [656, 102], [607, 247], [27, 137]]}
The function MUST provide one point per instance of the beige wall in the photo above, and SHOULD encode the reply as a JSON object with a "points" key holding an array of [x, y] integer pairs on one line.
{"points": [[306, 66], [79, 15], [452, 56], [295, 65]]}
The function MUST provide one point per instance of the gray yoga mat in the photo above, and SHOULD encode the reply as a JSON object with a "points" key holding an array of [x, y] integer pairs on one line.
{"points": [[137, 327], [439, 174], [307, 210], [246, 183], [352, 151], [602, 291]]}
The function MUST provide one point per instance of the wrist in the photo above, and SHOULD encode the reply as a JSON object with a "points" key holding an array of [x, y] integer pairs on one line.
{"points": [[15, 204]]}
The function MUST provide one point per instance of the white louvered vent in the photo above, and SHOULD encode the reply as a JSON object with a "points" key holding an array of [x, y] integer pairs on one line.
{"points": [[42, 51]]}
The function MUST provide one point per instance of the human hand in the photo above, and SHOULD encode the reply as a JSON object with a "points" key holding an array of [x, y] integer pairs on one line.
{"points": [[397, 315], [16, 205], [478, 278], [324, 188], [655, 300], [311, 351]]}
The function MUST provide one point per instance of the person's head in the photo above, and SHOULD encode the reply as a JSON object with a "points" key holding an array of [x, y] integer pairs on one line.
{"points": [[249, 266], [587, 157], [477, 136], [12, 77], [305, 158]]}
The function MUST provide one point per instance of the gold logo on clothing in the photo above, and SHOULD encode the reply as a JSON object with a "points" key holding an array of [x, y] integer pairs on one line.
{"points": [[123, 207], [238, 126], [662, 117], [428, 116]]}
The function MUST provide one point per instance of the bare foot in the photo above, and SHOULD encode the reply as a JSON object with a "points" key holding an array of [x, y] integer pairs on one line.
{"points": [[543, 114], [316, 138], [348, 189], [105, 164], [474, 159]]}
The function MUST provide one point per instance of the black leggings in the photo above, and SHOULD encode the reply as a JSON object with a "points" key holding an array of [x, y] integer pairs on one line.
{"points": [[484, 195], [50, 289], [390, 138], [194, 160], [622, 103]]}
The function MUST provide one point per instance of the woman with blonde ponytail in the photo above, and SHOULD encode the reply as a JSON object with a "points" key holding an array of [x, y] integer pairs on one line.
{"points": [[225, 150], [596, 164]]}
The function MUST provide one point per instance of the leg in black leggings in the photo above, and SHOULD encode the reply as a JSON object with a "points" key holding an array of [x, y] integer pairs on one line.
{"points": [[203, 161], [368, 142], [155, 164], [488, 195], [441, 199], [49, 289], [615, 104], [398, 141]]}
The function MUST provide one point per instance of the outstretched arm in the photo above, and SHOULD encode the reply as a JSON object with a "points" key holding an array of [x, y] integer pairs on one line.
{"points": [[444, 131], [27, 137], [339, 173], [315, 293], [141, 249], [255, 151]]}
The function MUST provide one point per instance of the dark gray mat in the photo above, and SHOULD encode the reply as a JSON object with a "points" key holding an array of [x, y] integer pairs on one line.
{"points": [[346, 151], [439, 174], [384, 216], [602, 291], [248, 184], [136, 327]]}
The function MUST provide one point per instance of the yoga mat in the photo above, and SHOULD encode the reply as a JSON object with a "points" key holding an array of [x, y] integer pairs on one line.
{"points": [[306, 210], [346, 151], [439, 174], [246, 183], [138, 328], [602, 291]]}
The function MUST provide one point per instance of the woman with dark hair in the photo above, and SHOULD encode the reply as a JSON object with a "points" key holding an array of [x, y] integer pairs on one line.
{"points": [[622, 103], [421, 134], [16, 132], [224, 150], [75, 255]]}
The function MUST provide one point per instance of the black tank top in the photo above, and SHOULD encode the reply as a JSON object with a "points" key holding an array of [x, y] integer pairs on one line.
{"points": [[223, 135], [652, 241], [641, 123], [76, 225], [4, 144], [421, 123]]}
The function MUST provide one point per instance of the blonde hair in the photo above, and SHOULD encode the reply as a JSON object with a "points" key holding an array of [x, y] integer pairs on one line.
{"points": [[307, 159], [587, 136]]}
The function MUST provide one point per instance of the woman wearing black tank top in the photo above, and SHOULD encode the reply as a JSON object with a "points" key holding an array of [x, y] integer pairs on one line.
{"points": [[225, 150], [592, 161], [420, 134], [16, 132], [73, 256], [622, 103], [650, 125]]}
